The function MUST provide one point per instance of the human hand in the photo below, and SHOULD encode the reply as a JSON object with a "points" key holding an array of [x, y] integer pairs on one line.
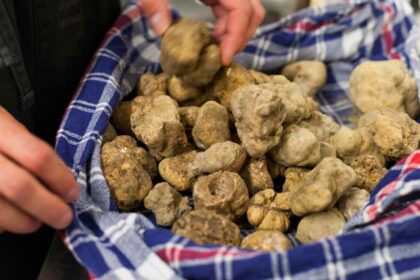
{"points": [[35, 184], [236, 22]]}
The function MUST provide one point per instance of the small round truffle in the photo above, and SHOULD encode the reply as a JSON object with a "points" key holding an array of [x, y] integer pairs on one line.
{"points": [[256, 175], [310, 75], [319, 226], [369, 170], [128, 182], [269, 211], [166, 204], [352, 202], [120, 119], [226, 156], [264, 240], [175, 170], [228, 80], [211, 125], [224, 193], [109, 134], [188, 116], [149, 84], [206, 227], [182, 92]]}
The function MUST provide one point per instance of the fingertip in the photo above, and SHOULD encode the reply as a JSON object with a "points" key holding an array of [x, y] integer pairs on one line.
{"points": [[160, 23], [65, 220], [73, 194]]}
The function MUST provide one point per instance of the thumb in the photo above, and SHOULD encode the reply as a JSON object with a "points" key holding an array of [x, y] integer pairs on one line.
{"points": [[158, 14]]}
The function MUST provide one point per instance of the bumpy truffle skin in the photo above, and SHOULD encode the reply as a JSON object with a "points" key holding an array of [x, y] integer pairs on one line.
{"points": [[150, 83], [375, 85], [109, 134], [269, 241], [166, 204], [324, 186], [188, 116], [207, 67], [190, 38], [319, 226], [300, 147], [224, 193], [228, 80], [352, 202], [269, 211], [226, 156], [295, 177], [259, 114], [128, 182], [321, 125], [157, 124], [175, 170], [211, 125], [351, 143], [395, 134], [206, 227], [259, 77], [120, 119], [369, 170], [310, 75], [298, 105], [147, 161], [182, 92], [256, 175]]}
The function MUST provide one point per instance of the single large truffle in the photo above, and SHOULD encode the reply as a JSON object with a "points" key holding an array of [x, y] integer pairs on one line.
{"points": [[269, 210], [211, 125], [166, 204], [158, 125], [376, 85], [206, 227], [128, 181], [259, 114], [224, 193], [323, 187], [264, 240], [319, 226]]}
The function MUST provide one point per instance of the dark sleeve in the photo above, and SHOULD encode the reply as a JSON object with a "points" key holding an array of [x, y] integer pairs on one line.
{"points": [[58, 39]]}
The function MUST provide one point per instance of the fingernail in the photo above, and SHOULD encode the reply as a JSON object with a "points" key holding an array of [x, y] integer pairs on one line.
{"points": [[159, 23], [65, 220], [73, 195]]}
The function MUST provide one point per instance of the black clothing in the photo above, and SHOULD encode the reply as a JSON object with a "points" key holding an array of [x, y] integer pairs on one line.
{"points": [[57, 38]]}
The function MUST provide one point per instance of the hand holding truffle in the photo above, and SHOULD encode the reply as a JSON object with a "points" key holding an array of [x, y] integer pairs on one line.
{"points": [[235, 25]]}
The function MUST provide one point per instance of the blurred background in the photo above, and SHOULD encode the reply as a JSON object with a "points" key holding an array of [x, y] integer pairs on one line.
{"points": [[275, 9]]}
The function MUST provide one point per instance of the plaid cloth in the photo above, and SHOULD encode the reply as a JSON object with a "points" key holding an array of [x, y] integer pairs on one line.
{"points": [[383, 241]]}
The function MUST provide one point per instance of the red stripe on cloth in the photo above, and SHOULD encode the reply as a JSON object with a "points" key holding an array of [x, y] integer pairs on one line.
{"points": [[174, 254], [387, 31], [308, 26], [407, 164], [412, 209]]}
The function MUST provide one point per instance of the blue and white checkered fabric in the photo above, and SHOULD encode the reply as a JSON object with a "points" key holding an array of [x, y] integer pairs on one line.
{"points": [[377, 244]]}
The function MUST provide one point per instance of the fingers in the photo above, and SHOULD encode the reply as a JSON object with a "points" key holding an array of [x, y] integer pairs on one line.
{"points": [[236, 23], [159, 15], [221, 23], [16, 221], [258, 15], [37, 157], [24, 192]]}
